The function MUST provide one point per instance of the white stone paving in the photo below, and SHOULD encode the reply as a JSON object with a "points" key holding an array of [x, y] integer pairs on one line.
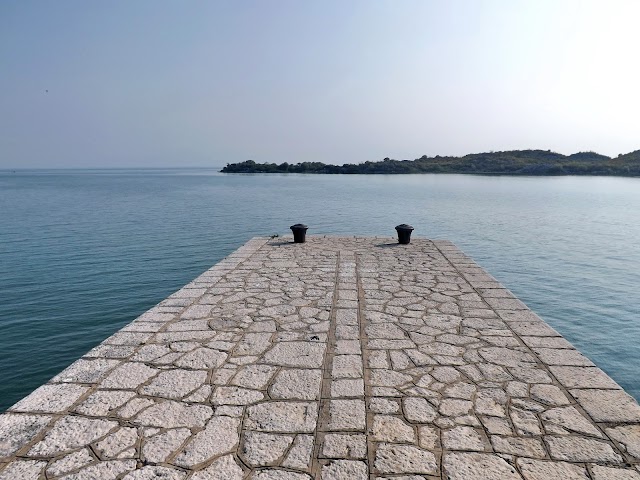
{"points": [[340, 358]]}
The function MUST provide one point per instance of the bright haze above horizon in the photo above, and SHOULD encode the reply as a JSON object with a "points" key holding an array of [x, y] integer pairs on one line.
{"points": [[163, 83]]}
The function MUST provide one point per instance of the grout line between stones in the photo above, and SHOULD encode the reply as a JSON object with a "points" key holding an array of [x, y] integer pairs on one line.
{"points": [[365, 370], [325, 385]]}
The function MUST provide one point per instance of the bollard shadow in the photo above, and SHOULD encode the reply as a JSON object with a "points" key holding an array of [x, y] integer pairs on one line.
{"points": [[282, 243], [389, 245]]}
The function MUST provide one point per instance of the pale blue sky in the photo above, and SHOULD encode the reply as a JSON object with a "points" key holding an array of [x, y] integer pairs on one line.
{"points": [[201, 83]]}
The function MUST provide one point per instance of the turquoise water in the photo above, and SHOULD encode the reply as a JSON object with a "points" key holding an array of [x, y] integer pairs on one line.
{"points": [[82, 253]]}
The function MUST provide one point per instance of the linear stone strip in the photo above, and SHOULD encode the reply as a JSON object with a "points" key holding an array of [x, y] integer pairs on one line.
{"points": [[343, 445], [325, 385], [340, 358]]}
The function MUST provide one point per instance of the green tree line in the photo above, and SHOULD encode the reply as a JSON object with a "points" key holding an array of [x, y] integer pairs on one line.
{"points": [[515, 162]]}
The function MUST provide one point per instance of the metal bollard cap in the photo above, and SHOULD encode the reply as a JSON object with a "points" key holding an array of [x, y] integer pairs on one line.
{"points": [[404, 226]]}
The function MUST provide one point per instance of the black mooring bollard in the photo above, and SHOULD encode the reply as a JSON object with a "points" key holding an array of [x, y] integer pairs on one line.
{"points": [[299, 232], [404, 233]]}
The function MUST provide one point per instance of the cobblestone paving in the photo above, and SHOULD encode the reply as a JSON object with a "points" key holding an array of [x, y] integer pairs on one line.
{"points": [[341, 358]]}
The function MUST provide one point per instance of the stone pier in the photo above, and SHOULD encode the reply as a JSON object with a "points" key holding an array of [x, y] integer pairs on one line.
{"points": [[341, 358]]}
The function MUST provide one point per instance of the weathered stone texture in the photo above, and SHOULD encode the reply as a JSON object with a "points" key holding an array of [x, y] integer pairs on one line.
{"points": [[340, 358]]}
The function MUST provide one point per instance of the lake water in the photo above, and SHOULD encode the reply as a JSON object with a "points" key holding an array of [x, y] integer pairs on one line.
{"points": [[82, 253]]}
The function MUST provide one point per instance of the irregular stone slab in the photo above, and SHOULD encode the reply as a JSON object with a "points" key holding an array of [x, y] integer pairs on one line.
{"points": [[266, 326], [104, 402], [151, 352], [347, 387], [463, 438], [254, 376], [69, 433], [170, 414], [541, 470], [297, 384], [68, 463], [520, 446], [546, 342], [185, 292], [124, 337], [388, 428], [158, 448], [383, 405], [200, 395], [50, 398], [347, 366], [581, 449], [404, 459], [338, 445], [221, 345], [629, 437], [570, 419], [505, 303], [418, 410], [296, 354], [134, 406], [342, 469], [282, 417], [583, 377], [347, 415], [155, 472], [299, 456], [108, 470], [273, 474], [608, 405], [445, 374], [235, 396], [224, 468], [129, 376], [521, 316], [465, 466], [505, 356], [534, 329], [344, 347], [261, 449], [174, 383], [453, 407], [115, 444], [277, 311], [389, 378], [496, 426], [548, 394], [526, 423], [390, 344], [438, 348], [202, 358], [346, 316], [384, 330], [530, 374], [600, 472], [111, 351], [85, 371], [23, 470], [16, 430], [253, 344], [220, 436], [556, 356]]}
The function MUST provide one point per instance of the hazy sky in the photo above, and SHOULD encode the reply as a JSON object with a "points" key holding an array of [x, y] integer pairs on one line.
{"points": [[197, 83]]}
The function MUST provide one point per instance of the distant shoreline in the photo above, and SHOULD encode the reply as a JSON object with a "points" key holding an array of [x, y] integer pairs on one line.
{"points": [[514, 163]]}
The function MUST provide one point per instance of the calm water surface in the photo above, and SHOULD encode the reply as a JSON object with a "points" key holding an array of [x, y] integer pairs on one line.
{"points": [[82, 253]]}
